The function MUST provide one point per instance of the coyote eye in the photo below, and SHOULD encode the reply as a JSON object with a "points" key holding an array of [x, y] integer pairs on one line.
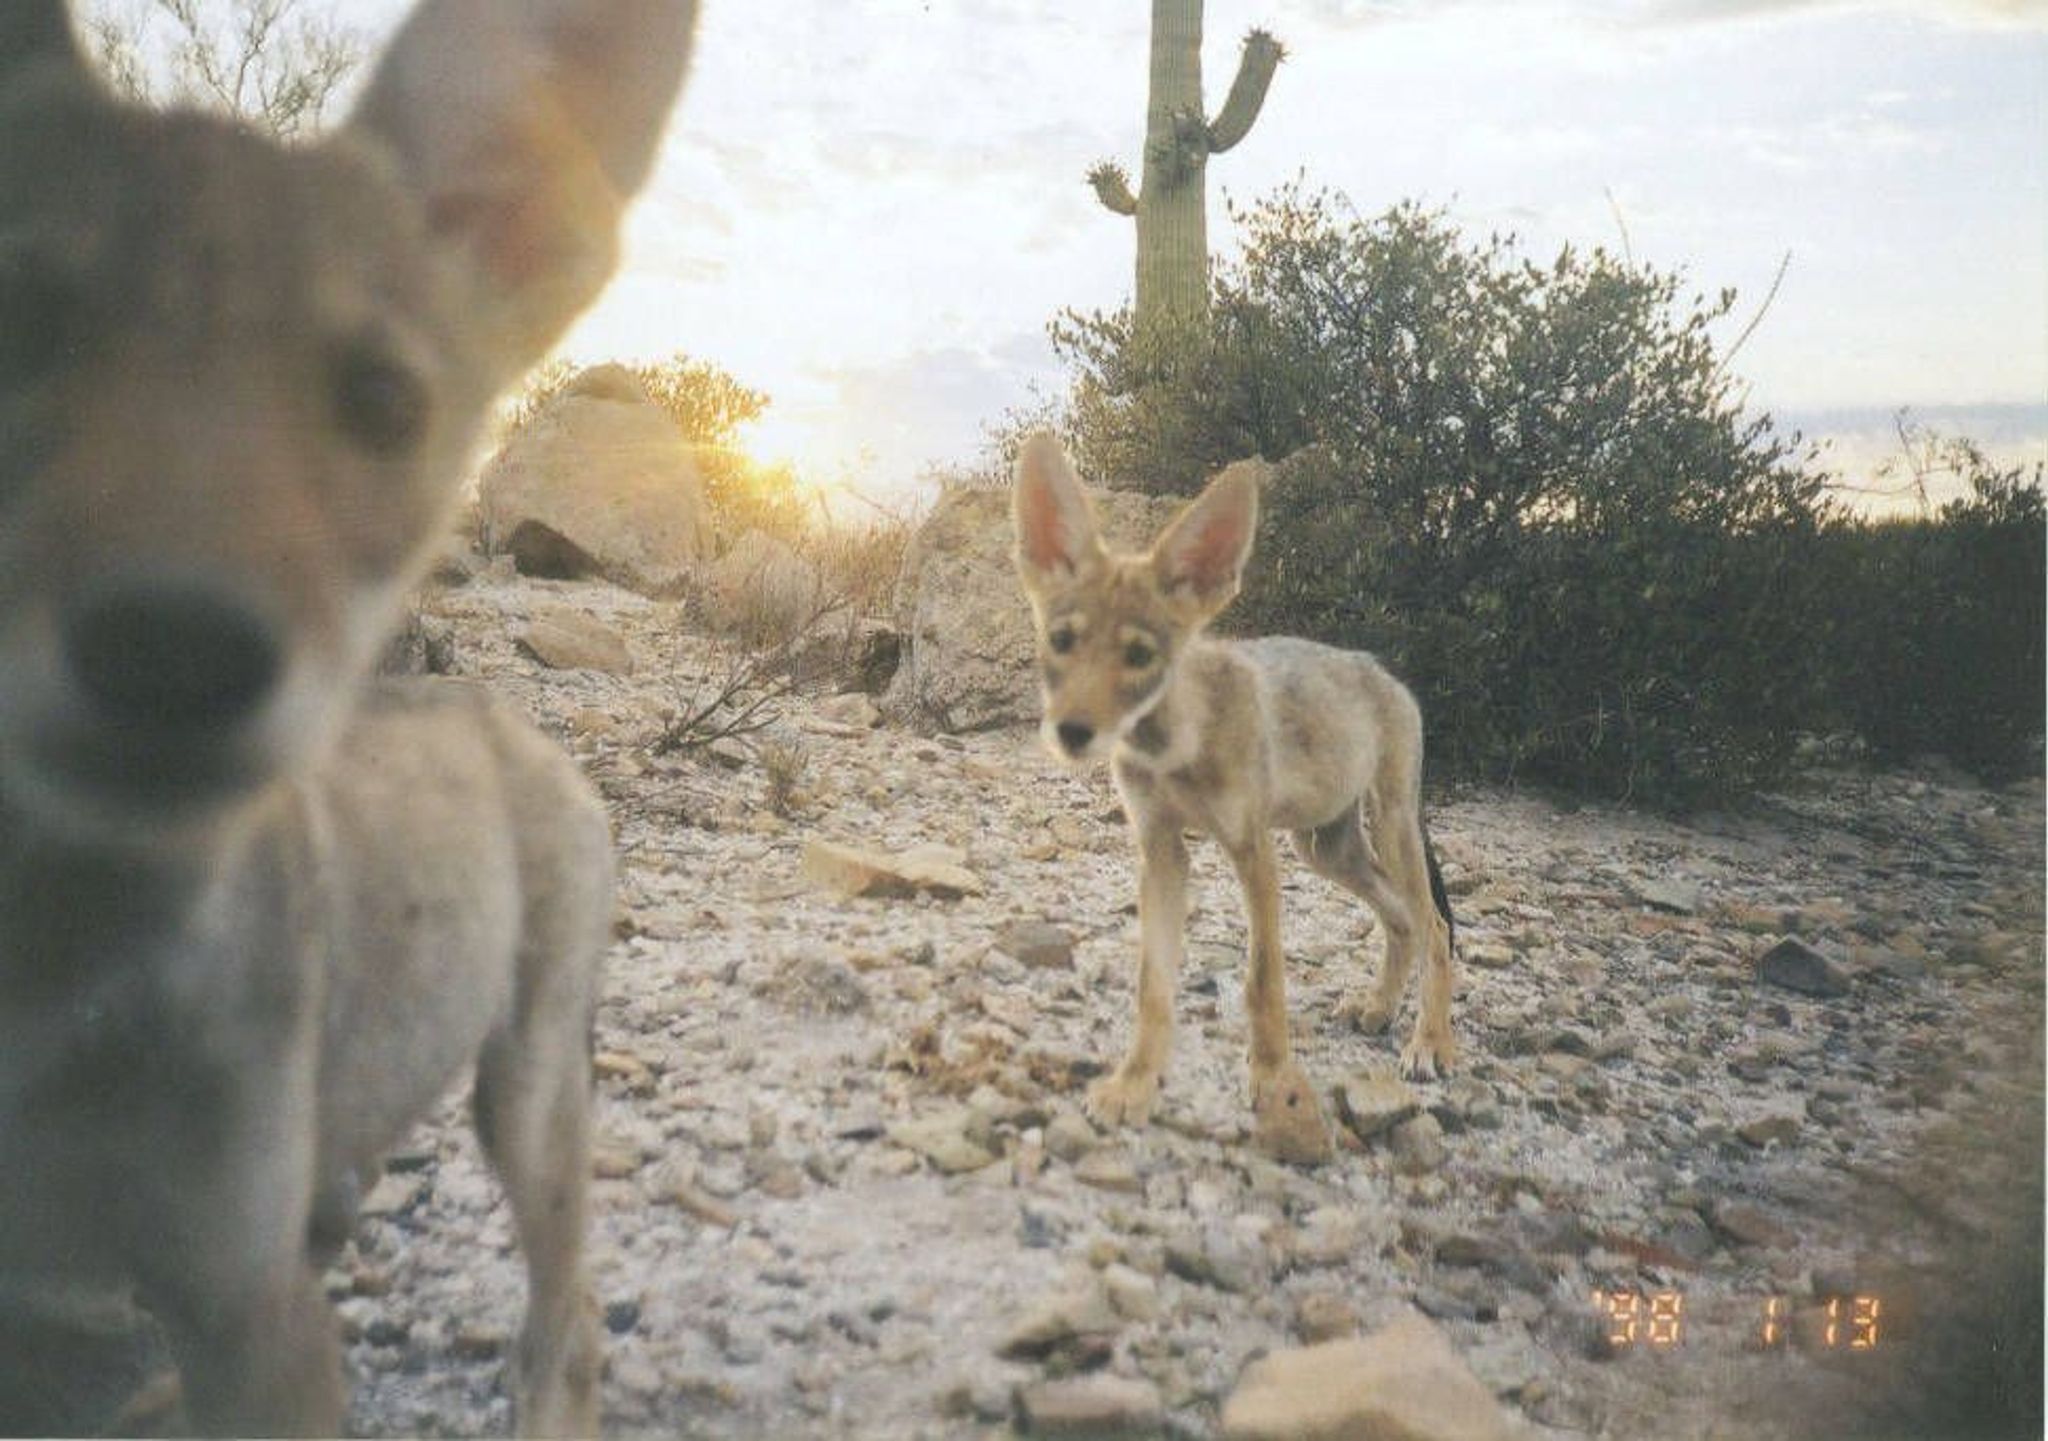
{"points": [[378, 402], [1061, 639], [1138, 655]]}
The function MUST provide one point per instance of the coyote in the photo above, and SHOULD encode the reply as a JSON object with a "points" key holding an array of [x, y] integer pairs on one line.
{"points": [[257, 912], [1236, 739]]}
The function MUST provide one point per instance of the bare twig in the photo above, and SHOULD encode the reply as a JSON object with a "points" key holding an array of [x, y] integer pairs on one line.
{"points": [[1755, 320]]}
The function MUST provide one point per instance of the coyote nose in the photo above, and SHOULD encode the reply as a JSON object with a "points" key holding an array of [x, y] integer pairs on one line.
{"points": [[170, 654], [1074, 736]]}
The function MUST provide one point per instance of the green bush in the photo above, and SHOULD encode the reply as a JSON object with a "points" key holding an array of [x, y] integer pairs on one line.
{"points": [[1530, 487], [1934, 627]]}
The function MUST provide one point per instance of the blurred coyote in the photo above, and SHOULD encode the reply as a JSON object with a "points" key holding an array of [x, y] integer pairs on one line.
{"points": [[256, 913], [1236, 739]]}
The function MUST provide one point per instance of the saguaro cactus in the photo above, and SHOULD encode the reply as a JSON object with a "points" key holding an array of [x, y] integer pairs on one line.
{"points": [[1170, 206]]}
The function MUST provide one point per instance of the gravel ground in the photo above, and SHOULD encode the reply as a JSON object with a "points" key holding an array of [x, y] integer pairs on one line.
{"points": [[844, 1187]]}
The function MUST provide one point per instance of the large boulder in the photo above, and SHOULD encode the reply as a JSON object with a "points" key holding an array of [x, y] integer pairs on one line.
{"points": [[601, 483], [968, 652]]}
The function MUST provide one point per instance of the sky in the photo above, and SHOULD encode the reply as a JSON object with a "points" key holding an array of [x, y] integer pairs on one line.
{"points": [[870, 209]]}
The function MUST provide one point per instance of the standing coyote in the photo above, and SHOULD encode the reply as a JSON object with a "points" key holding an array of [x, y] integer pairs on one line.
{"points": [[1236, 739], [257, 913]]}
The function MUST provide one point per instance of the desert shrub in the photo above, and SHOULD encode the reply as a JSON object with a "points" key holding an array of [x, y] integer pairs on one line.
{"points": [[1532, 488], [1934, 625]]}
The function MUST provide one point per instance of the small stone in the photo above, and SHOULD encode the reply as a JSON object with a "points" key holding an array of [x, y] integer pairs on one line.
{"points": [[1751, 1225], [1218, 1257], [1796, 966], [1100, 1405], [1059, 1319], [1404, 1381], [1487, 955], [568, 640], [392, 1195], [476, 1341], [615, 1160], [1780, 1129], [854, 708], [1324, 1316], [1109, 1170], [1678, 897], [1370, 1105], [943, 1141], [1418, 1145], [1038, 944], [1131, 1292], [1068, 1137], [1287, 1123], [633, 1073], [853, 871]]}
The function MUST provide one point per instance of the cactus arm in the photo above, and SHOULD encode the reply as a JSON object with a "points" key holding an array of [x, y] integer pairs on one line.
{"points": [[1262, 56], [1113, 188]]}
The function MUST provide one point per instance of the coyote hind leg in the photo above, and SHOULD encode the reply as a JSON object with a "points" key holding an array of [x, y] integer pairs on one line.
{"points": [[1390, 872]]}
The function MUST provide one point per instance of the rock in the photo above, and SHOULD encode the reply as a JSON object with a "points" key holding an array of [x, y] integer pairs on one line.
{"points": [[392, 1195], [424, 645], [1751, 1225], [1058, 1320], [1109, 1170], [823, 983], [1796, 966], [1218, 1256], [1402, 1383], [853, 708], [944, 1141], [855, 872], [1323, 1316], [1330, 1236], [1780, 1129], [1131, 1292], [1487, 955], [1068, 1136], [1418, 1145], [1287, 1123], [563, 639], [1668, 893], [969, 656], [761, 590], [1097, 1405], [1038, 944], [601, 483], [1371, 1105]]}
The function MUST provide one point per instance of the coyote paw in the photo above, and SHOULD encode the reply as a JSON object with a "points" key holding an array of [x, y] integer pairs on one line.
{"points": [[1425, 1058], [1287, 1123], [1123, 1098], [1369, 1014]]}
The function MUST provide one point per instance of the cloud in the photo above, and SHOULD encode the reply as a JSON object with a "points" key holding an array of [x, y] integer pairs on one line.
{"points": [[1965, 14]]}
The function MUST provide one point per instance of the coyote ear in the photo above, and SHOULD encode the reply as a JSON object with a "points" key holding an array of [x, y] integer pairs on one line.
{"points": [[34, 32], [526, 126], [1056, 531], [1202, 553]]}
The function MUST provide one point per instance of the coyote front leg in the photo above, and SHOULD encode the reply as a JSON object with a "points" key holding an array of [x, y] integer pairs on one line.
{"points": [[1288, 1119], [1126, 1096]]}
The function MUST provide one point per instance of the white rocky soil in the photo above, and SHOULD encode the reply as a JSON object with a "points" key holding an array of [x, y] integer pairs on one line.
{"points": [[844, 1186]]}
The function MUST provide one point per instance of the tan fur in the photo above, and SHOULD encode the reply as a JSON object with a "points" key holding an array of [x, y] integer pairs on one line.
{"points": [[1235, 740], [256, 914]]}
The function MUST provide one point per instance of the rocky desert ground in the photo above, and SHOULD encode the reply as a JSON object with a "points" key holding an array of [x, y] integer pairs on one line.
{"points": [[845, 1188]]}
